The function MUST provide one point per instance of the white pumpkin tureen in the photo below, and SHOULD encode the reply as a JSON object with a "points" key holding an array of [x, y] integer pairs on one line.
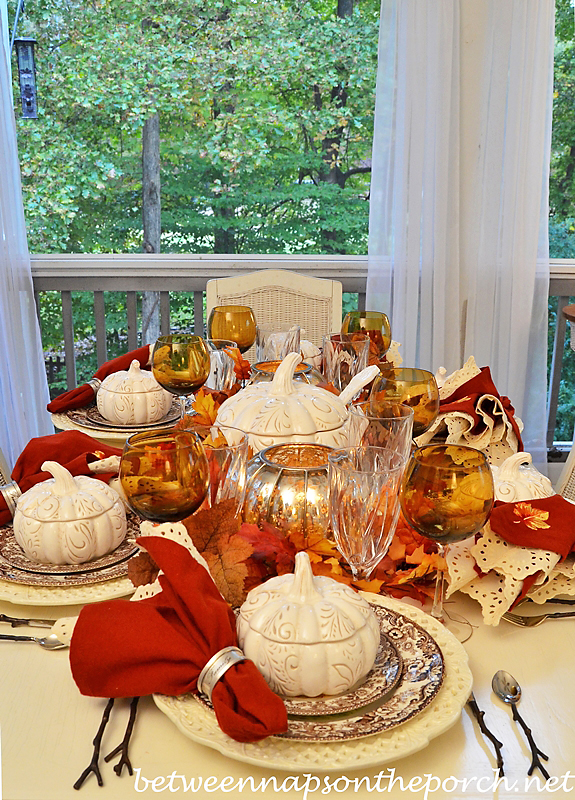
{"points": [[67, 520], [132, 397], [516, 479], [286, 410], [308, 635]]}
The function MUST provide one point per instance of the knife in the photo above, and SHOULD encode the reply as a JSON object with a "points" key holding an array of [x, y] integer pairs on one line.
{"points": [[15, 622], [478, 714]]}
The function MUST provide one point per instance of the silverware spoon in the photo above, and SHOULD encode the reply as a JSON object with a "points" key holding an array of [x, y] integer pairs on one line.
{"points": [[507, 689], [50, 642]]}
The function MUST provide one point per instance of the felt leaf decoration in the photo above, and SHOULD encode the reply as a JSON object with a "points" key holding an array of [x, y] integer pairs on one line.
{"points": [[533, 518]]}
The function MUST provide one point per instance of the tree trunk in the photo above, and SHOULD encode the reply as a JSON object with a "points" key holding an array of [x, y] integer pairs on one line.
{"points": [[151, 213]]}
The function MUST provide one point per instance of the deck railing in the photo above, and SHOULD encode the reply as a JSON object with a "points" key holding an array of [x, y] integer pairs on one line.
{"points": [[133, 273]]}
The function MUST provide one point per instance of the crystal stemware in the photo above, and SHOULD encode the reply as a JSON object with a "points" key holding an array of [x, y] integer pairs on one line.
{"points": [[164, 474], [415, 388], [237, 323], [181, 364], [364, 505], [446, 495]]}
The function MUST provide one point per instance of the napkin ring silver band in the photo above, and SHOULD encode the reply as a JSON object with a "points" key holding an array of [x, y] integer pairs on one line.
{"points": [[216, 668], [11, 492], [95, 383]]}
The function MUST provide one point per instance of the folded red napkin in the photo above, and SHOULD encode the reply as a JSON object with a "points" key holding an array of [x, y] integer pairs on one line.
{"points": [[73, 449], [83, 395], [547, 523], [464, 400], [123, 648]]}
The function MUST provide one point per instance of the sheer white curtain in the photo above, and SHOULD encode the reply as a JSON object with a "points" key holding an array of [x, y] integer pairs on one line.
{"points": [[23, 385], [458, 224]]}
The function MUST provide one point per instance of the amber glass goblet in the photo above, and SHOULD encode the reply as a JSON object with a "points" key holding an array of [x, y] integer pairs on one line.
{"points": [[373, 323], [181, 364], [164, 474], [233, 322], [415, 388], [446, 495]]}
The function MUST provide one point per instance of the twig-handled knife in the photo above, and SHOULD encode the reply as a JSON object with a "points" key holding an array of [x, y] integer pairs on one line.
{"points": [[16, 622], [478, 714]]}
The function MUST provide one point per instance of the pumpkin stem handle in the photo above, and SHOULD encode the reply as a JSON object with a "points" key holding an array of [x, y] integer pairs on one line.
{"points": [[64, 483], [283, 382], [303, 587]]}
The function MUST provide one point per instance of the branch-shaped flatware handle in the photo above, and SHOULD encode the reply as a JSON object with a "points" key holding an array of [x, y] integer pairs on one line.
{"points": [[535, 751], [124, 744], [479, 716], [16, 622], [97, 742]]}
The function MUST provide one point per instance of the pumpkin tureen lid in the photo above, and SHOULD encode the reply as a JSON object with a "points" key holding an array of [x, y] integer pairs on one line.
{"points": [[65, 497], [131, 381], [286, 407]]}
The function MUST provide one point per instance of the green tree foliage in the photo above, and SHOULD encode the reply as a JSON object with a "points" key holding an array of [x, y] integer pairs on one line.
{"points": [[562, 196], [266, 121], [253, 127]]}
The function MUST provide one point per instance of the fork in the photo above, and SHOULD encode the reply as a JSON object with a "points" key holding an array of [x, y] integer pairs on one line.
{"points": [[533, 621]]}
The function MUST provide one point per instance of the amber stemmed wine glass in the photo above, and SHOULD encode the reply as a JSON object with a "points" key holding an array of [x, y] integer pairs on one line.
{"points": [[373, 323], [416, 388], [181, 364], [237, 323], [164, 474], [446, 495]]}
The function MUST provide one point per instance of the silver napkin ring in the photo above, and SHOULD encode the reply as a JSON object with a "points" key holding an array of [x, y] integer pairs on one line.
{"points": [[11, 492], [95, 383], [216, 668]]}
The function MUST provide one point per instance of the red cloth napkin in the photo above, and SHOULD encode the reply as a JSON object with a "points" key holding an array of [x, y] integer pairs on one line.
{"points": [[464, 399], [547, 523], [123, 648], [84, 395], [73, 449]]}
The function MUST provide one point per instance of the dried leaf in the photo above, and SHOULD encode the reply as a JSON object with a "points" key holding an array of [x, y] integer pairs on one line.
{"points": [[142, 569], [272, 553], [242, 366], [215, 534], [205, 407]]}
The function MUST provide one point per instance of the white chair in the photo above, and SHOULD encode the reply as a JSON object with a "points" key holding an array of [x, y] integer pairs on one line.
{"points": [[4, 470], [566, 483], [280, 296]]}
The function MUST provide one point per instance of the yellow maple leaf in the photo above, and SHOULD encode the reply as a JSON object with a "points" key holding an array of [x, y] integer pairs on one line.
{"points": [[533, 518], [205, 407]]}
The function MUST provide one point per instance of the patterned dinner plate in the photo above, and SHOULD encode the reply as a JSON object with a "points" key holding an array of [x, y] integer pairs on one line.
{"points": [[90, 417]]}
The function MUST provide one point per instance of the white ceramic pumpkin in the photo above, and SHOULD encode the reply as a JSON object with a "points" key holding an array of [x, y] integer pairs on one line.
{"points": [[67, 520], [308, 635], [132, 397], [516, 479], [285, 410]]}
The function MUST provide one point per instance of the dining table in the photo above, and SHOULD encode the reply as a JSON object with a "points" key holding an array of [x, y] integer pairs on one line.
{"points": [[47, 728]]}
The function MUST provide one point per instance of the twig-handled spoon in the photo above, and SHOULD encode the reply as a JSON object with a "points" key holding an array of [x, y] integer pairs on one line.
{"points": [[507, 689], [50, 642]]}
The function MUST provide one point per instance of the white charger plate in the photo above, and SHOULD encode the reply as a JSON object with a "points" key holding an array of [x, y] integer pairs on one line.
{"points": [[199, 723]]}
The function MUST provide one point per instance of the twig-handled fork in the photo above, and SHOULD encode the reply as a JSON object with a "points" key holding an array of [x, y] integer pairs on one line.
{"points": [[536, 619]]}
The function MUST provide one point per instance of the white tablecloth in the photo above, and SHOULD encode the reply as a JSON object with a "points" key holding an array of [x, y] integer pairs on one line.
{"points": [[46, 729]]}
